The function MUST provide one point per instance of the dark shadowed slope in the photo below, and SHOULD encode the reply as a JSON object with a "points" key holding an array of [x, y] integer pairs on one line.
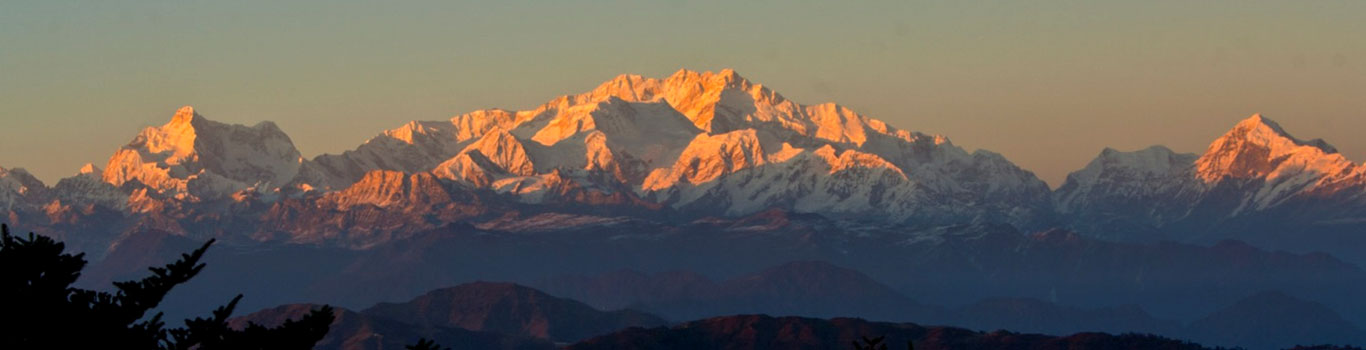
{"points": [[268, 274], [823, 290], [134, 251], [631, 288], [939, 266], [1038, 316], [819, 289], [803, 288], [511, 309], [763, 332], [1274, 320], [355, 331]]}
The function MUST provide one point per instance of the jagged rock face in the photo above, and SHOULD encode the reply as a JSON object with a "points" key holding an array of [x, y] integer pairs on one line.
{"points": [[195, 158], [1257, 172]]}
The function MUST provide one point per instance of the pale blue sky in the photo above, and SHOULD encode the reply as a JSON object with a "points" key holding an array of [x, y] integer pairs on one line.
{"points": [[1047, 83]]}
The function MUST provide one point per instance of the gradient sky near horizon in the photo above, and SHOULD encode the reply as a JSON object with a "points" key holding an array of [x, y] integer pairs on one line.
{"points": [[1046, 83]]}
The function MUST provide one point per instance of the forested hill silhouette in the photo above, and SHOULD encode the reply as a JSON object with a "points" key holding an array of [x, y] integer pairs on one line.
{"points": [[41, 309], [753, 332]]}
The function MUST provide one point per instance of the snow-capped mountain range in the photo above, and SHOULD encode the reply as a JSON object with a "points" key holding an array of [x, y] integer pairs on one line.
{"points": [[713, 143], [686, 147]]}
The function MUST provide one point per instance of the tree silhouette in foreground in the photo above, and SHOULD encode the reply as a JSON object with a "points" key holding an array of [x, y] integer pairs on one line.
{"points": [[870, 344], [40, 310], [876, 344], [425, 344]]}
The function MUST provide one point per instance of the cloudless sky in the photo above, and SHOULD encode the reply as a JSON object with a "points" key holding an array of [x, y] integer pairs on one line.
{"points": [[1046, 83]]}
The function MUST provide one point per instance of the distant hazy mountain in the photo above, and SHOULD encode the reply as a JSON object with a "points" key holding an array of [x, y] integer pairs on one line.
{"points": [[805, 288], [509, 316], [1085, 284], [1038, 316], [822, 290], [18, 187], [390, 326], [1270, 320], [511, 309]]}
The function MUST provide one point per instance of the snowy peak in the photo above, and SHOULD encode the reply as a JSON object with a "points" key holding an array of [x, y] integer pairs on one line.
{"points": [[87, 187], [184, 116], [839, 124], [709, 83], [382, 188], [1258, 147], [468, 168], [722, 102], [709, 157], [1155, 161], [648, 131], [18, 187], [459, 128], [725, 101], [852, 159], [726, 78], [1254, 171], [496, 154], [89, 169], [476, 124], [1262, 129], [1119, 177], [629, 87], [192, 157], [700, 96], [21, 178], [505, 152], [716, 103], [417, 132]]}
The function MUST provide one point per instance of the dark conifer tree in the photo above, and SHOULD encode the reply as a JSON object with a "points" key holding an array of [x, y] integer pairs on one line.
{"points": [[425, 344], [870, 344], [40, 310]]}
